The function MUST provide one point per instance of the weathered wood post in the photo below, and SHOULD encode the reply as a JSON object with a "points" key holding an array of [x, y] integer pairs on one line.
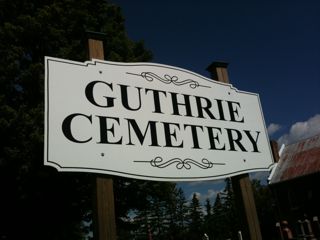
{"points": [[241, 183], [105, 226]]}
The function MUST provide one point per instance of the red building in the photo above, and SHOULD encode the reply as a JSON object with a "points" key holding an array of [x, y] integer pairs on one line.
{"points": [[295, 184]]}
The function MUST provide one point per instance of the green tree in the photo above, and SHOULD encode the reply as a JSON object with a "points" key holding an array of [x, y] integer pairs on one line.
{"points": [[208, 218], [155, 206], [230, 211], [225, 218], [208, 208], [178, 215], [218, 218], [37, 202], [195, 219], [265, 209]]}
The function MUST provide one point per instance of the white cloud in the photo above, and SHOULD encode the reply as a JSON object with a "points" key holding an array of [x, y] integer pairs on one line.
{"points": [[210, 194], [273, 128], [198, 195], [301, 130]]}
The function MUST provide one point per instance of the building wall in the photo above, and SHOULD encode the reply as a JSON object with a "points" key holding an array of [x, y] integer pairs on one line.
{"points": [[297, 199]]}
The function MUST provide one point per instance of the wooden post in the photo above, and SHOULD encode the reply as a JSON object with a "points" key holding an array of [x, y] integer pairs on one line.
{"points": [[241, 183], [275, 150], [105, 225], [219, 71]]}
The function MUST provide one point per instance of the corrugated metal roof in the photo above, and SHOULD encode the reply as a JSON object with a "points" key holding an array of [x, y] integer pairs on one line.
{"points": [[298, 159]]}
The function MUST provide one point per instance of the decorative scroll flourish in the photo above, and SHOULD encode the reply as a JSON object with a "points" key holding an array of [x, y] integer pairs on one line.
{"points": [[181, 163], [167, 79]]}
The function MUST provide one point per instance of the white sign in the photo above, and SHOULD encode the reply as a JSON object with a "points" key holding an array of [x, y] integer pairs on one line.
{"points": [[150, 121]]}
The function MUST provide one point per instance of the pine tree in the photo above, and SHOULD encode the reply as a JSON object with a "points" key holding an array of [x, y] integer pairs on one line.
{"points": [[265, 209], [154, 206], [208, 219], [179, 220], [229, 206], [208, 208], [195, 219], [218, 218]]}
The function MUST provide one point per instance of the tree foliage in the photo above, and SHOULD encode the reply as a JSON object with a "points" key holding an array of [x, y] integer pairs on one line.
{"points": [[36, 201], [265, 205], [195, 216]]}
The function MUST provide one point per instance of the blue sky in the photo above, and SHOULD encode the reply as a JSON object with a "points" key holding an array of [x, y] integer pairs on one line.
{"points": [[272, 47]]}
